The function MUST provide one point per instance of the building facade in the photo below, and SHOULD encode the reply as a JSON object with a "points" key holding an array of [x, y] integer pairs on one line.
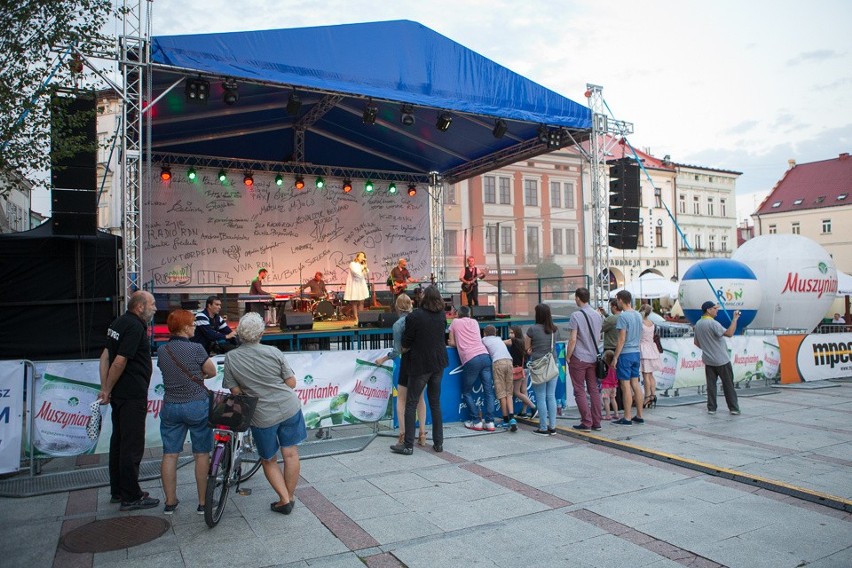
{"points": [[15, 200]]}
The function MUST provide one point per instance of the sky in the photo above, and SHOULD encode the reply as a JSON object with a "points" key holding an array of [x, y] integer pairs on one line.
{"points": [[727, 84]]}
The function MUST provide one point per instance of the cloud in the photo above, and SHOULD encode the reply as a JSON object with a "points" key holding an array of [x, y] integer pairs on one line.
{"points": [[816, 55], [836, 84], [742, 127]]}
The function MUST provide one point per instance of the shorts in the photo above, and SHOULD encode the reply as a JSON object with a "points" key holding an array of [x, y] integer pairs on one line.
{"points": [[501, 369], [178, 417], [282, 435], [628, 366]]}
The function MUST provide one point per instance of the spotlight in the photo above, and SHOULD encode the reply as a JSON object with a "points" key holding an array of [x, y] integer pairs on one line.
{"points": [[542, 134], [300, 182], [444, 121], [279, 180], [166, 173], [320, 183], [392, 189], [554, 138], [294, 103], [248, 180], [197, 91], [500, 128], [347, 185], [370, 113], [368, 187], [191, 174], [230, 95], [407, 115], [412, 190], [223, 177]]}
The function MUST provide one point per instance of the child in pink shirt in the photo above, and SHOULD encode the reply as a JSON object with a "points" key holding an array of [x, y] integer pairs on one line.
{"points": [[608, 385]]}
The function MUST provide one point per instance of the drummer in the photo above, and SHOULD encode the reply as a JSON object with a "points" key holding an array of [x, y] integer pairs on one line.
{"points": [[316, 286]]}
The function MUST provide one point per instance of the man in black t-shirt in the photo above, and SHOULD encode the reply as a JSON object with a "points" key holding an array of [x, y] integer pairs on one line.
{"points": [[125, 371]]}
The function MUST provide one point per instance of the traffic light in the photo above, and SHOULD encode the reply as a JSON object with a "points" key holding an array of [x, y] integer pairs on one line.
{"points": [[624, 204]]}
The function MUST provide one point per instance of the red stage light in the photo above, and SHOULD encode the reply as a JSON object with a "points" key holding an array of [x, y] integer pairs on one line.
{"points": [[248, 180], [165, 173], [412, 190], [347, 186], [300, 182], [588, 93]]}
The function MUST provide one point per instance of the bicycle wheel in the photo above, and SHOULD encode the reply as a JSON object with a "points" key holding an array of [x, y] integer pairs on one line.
{"points": [[218, 484], [250, 459]]}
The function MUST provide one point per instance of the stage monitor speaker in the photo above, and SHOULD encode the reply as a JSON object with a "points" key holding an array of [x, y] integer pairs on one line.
{"points": [[369, 318], [483, 313], [74, 123], [74, 223], [387, 319], [296, 320]]}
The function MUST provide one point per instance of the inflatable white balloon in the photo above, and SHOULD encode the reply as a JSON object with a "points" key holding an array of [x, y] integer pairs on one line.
{"points": [[797, 276], [731, 284]]}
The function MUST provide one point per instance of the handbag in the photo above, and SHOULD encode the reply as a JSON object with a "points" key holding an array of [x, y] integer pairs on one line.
{"points": [[544, 368], [657, 341], [517, 373], [600, 365]]}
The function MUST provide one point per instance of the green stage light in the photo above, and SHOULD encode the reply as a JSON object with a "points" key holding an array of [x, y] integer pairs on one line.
{"points": [[279, 180], [223, 177], [320, 183], [191, 174], [368, 187], [392, 189]]}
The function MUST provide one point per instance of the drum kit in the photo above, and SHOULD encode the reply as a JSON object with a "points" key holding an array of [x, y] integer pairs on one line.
{"points": [[331, 307]]}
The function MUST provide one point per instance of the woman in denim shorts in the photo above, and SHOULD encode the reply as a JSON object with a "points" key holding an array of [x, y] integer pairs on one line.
{"points": [[262, 371], [184, 366]]}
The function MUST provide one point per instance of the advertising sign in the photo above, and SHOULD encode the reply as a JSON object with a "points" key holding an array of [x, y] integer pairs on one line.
{"points": [[11, 414]]}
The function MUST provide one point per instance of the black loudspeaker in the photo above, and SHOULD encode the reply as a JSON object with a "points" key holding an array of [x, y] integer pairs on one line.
{"points": [[483, 313], [74, 177], [295, 320], [369, 318], [624, 234], [387, 319]]}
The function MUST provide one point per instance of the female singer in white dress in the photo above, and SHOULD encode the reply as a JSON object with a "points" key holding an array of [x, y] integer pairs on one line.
{"points": [[356, 290]]}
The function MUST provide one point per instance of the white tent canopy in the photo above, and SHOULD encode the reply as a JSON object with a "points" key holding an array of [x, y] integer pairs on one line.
{"points": [[844, 284], [650, 286]]}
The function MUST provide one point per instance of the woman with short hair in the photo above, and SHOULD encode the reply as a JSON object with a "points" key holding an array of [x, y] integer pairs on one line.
{"points": [[184, 365], [263, 372]]}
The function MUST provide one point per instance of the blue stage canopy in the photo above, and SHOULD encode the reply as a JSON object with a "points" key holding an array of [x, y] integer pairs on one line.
{"points": [[336, 71]]}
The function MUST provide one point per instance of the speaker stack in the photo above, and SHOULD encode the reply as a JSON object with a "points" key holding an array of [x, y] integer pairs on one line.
{"points": [[74, 177]]}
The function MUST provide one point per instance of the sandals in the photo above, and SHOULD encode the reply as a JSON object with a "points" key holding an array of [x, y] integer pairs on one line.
{"points": [[421, 439], [650, 402]]}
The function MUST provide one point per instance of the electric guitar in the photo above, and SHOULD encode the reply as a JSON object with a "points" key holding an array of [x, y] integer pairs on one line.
{"points": [[467, 287], [399, 287]]}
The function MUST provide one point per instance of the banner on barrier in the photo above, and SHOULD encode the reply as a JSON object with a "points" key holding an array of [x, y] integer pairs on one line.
{"points": [[815, 357], [11, 414], [335, 387]]}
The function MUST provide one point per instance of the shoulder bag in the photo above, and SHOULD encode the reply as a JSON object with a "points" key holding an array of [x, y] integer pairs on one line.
{"points": [[544, 368], [657, 341], [600, 366]]}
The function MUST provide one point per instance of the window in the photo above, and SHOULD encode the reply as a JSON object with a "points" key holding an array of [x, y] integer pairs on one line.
{"points": [[798, 201], [698, 243], [570, 241], [658, 197], [491, 239], [795, 229], [724, 243], [842, 196], [776, 205], [15, 216], [658, 235], [450, 194], [451, 243], [684, 245], [773, 229], [505, 191], [506, 240], [681, 204], [826, 226], [532, 245], [696, 177], [556, 195], [640, 241], [557, 241], [696, 205], [569, 196], [531, 192], [489, 189], [723, 207], [711, 207], [711, 243]]}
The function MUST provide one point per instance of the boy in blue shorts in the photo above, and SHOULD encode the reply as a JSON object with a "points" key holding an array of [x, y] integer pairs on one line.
{"points": [[627, 358]]}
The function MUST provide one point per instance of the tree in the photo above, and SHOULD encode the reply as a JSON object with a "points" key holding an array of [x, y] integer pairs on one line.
{"points": [[38, 62]]}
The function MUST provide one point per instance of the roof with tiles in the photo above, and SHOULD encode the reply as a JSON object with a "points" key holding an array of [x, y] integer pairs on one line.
{"points": [[815, 185]]}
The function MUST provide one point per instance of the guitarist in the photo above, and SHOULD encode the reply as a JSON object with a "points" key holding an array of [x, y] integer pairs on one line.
{"points": [[400, 278], [470, 277]]}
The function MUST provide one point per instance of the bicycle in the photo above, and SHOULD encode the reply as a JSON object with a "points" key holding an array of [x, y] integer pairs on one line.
{"points": [[233, 445]]}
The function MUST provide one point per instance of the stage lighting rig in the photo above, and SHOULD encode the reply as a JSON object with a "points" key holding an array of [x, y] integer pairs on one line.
{"points": [[371, 111], [392, 189], [368, 187], [248, 179], [191, 174], [444, 121], [500, 128], [347, 185], [300, 182], [412, 190], [230, 95], [165, 173], [320, 183], [294, 104], [223, 177], [197, 91], [406, 115]]}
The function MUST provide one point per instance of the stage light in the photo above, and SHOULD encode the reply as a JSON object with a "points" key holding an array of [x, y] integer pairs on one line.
{"points": [[165, 173], [320, 183], [406, 115], [197, 91], [223, 177], [370, 113], [368, 187], [279, 180], [412, 190], [347, 185], [300, 182], [392, 189], [230, 94], [500, 128], [248, 180], [191, 174], [294, 104], [444, 121], [542, 134]]}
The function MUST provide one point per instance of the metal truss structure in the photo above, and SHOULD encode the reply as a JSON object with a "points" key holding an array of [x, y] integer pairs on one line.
{"points": [[606, 132], [436, 226]]}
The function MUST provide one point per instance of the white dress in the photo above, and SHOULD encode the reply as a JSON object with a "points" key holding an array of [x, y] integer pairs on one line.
{"points": [[356, 283]]}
